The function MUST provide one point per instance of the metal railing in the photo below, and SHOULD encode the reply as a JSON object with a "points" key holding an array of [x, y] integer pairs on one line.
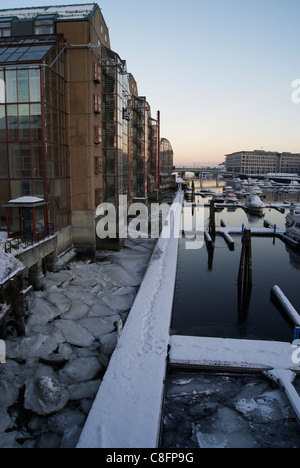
{"points": [[28, 239]]}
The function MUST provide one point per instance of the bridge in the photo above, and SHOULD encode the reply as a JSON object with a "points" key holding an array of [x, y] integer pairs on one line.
{"points": [[200, 171]]}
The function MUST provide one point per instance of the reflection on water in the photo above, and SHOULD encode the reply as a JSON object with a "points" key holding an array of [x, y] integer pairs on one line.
{"points": [[208, 301]]}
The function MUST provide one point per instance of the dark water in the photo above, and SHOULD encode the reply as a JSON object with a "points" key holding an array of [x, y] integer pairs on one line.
{"points": [[207, 299]]}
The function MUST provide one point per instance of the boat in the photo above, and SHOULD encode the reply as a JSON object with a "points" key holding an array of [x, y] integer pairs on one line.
{"points": [[254, 205], [227, 189], [292, 223], [231, 198], [256, 189], [218, 198], [206, 192], [240, 193]]}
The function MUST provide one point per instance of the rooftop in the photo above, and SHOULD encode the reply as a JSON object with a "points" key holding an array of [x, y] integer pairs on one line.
{"points": [[61, 12], [23, 50]]}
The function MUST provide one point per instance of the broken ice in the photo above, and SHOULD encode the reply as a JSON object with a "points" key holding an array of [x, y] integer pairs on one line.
{"points": [[224, 411]]}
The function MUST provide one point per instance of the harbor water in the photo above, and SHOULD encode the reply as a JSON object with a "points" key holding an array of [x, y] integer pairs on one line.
{"points": [[217, 409], [208, 301]]}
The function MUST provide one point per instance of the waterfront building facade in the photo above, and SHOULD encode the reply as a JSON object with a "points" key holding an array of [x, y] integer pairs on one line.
{"points": [[73, 130], [166, 162], [263, 162]]}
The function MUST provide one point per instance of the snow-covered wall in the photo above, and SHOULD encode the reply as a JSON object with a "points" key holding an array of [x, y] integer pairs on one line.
{"points": [[127, 410]]}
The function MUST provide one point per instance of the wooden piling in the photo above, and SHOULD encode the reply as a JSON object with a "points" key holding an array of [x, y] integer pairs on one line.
{"points": [[212, 219], [245, 270], [245, 279]]}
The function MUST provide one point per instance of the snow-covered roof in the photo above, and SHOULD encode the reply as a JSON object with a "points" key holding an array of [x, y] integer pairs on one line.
{"points": [[63, 12], [26, 201]]}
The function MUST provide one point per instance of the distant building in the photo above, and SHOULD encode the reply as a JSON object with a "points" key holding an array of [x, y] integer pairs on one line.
{"points": [[73, 130], [263, 162], [166, 162]]}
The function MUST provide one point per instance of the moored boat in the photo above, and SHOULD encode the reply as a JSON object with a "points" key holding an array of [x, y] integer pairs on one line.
{"points": [[218, 198], [231, 198], [254, 205], [293, 223]]}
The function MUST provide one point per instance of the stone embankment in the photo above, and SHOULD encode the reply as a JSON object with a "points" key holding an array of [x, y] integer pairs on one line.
{"points": [[53, 373]]}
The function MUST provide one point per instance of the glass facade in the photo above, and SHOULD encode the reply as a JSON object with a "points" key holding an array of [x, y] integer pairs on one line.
{"points": [[91, 119], [153, 164], [141, 112], [33, 156], [116, 126]]}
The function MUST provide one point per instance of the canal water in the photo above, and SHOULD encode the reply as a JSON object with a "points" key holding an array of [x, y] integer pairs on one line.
{"points": [[207, 299], [219, 410]]}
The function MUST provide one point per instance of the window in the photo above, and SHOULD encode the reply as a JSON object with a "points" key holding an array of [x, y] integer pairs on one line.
{"points": [[96, 72], [98, 165], [5, 28], [44, 25], [97, 134], [97, 104], [98, 197]]}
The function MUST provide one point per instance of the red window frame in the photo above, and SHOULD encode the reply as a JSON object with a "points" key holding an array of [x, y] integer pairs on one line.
{"points": [[43, 26], [97, 104], [97, 134], [96, 72], [98, 165], [2, 32], [5, 25], [98, 197]]}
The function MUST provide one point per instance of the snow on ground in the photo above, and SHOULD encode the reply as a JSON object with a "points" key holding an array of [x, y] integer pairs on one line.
{"points": [[9, 265], [52, 375], [127, 410]]}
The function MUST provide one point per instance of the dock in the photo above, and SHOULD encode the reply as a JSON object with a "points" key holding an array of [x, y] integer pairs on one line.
{"points": [[127, 411], [191, 352], [128, 408]]}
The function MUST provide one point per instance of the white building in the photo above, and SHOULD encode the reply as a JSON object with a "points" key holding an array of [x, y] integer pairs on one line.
{"points": [[263, 162]]}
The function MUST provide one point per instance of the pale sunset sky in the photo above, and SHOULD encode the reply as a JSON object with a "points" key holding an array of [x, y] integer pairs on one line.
{"points": [[220, 71]]}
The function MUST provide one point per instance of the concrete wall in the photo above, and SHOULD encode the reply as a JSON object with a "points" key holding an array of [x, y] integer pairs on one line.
{"points": [[81, 121]]}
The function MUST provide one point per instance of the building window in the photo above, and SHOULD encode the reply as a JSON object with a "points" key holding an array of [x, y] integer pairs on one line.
{"points": [[97, 134], [98, 165], [5, 28], [96, 72], [98, 197], [44, 25], [97, 104]]}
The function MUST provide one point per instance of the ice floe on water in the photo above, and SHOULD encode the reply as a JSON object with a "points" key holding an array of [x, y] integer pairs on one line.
{"points": [[226, 411], [53, 373]]}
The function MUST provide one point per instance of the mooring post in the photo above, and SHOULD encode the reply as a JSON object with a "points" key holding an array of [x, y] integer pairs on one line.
{"points": [[245, 276], [193, 192], [245, 270], [242, 261], [249, 256], [212, 219]]}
